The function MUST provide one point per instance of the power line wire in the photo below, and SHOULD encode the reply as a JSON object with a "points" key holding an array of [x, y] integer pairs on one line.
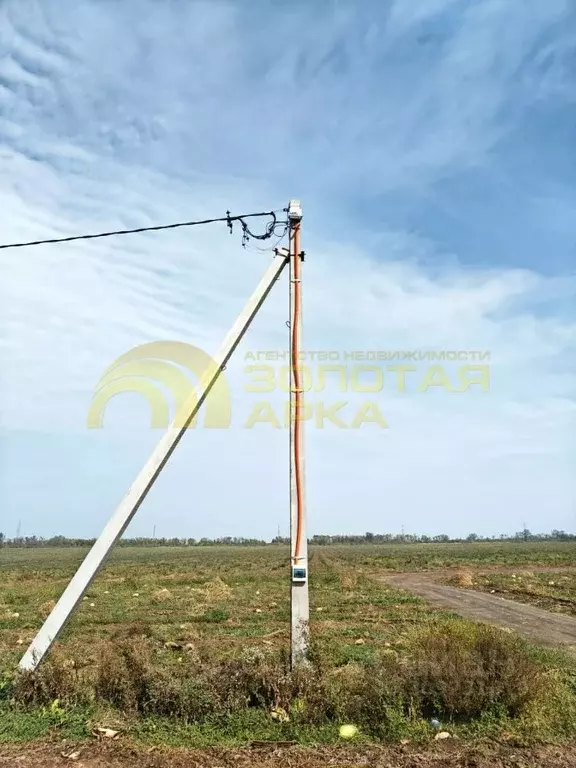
{"points": [[229, 220], [279, 238]]}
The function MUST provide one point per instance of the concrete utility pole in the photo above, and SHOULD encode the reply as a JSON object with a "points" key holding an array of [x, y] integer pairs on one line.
{"points": [[300, 606], [139, 489]]}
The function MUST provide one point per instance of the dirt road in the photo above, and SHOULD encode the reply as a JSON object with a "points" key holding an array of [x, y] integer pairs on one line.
{"points": [[445, 756], [537, 625]]}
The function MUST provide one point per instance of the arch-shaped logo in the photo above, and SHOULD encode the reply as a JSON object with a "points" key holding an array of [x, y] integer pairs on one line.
{"points": [[151, 368]]}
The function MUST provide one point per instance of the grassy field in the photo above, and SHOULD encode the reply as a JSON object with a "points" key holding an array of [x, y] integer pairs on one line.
{"points": [[416, 557], [187, 646]]}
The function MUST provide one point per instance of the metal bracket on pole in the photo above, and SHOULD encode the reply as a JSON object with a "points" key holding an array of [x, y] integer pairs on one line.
{"points": [[137, 492]]}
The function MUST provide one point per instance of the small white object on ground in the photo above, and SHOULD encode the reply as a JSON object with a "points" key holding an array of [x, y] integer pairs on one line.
{"points": [[107, 733], [348, 731], [280, 715]]}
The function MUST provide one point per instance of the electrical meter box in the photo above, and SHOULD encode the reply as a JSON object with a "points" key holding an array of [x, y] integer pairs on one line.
{"points": [[298, 574]]}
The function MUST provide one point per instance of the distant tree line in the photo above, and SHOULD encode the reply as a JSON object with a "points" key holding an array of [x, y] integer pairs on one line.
{"points": [[442, 538], [317, 540], [64, 541]]}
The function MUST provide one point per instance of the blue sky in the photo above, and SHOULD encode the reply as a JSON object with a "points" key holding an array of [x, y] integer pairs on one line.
{"points": [[432, 145]]}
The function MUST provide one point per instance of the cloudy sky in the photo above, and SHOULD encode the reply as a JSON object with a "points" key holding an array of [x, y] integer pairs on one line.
{"points": [[432, 145]]}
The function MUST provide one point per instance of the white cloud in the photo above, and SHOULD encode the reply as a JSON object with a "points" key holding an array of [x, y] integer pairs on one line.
{"points": [[171, 115]]}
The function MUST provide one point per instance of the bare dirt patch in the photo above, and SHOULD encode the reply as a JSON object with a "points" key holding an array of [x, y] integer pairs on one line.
{"points": [[278, 756]]}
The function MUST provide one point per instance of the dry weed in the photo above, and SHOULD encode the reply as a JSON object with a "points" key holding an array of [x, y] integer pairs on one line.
{"points": [[463, 578], [162, 595], [46, 608], [348, 580], [216, 591]]}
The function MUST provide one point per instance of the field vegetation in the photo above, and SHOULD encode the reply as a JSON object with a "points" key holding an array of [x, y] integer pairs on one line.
{"points": [[188, 646]]}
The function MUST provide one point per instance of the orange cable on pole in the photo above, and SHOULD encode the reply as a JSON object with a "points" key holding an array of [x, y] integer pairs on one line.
{"points": [[297, 388]]}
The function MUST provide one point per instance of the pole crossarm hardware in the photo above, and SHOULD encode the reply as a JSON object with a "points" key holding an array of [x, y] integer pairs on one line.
{"points": [[137, 492]]}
